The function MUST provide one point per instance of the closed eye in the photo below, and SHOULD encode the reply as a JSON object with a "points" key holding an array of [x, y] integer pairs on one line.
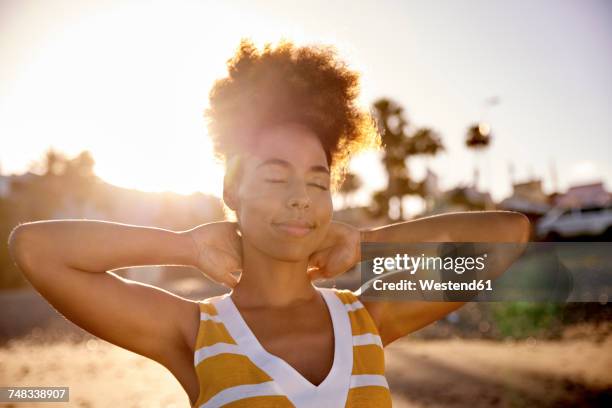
{"points": [[311, 184], [318, 185]]}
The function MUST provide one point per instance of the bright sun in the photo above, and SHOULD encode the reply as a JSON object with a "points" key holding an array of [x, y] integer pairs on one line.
{"points": [[130, 84]]}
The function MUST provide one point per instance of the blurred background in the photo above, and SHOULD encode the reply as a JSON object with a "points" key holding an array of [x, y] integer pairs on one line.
{"points": [[483, 105]]}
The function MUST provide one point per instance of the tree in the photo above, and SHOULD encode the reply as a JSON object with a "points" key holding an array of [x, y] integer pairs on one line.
{"points": [[52, 164], [478, 138], [81, 166], [478, 135], [399, 146]]}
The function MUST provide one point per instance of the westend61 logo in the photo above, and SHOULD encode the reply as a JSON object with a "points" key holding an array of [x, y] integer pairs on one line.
{"points": [[440, 266], [487, 271], [410, 263]]}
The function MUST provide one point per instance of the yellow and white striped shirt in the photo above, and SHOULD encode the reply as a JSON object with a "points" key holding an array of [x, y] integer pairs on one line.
{"points": [[234, 370]]}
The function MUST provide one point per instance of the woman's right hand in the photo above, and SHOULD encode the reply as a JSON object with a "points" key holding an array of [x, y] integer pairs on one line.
{"points": [[218, 251]]}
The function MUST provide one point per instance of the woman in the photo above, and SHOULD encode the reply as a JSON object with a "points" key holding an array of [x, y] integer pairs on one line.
{"points": [[285, 121]]}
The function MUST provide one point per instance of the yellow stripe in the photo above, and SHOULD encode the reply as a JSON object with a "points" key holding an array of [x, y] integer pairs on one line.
{"points": [[208, 308], [274, 401], [211, 332], [346, 296], [361, 322], [368, 359], [369, 396], [238, 370]]}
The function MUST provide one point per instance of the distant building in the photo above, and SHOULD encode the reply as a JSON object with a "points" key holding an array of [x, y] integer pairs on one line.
{"points": [[584, 195], [527, 197]]}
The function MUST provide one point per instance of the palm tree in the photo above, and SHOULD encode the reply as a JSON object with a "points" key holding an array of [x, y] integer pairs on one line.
{"points": [[399, 145], [54, 163], [478, 138], [427, 142]]}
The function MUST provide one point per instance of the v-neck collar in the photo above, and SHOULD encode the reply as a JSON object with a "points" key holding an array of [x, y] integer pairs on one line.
{"points": [[332, 392]]}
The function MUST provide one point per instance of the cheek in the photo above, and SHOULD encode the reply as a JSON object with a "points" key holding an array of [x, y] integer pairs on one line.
{"points": [[324, 222], [254, 217], [257, 212], [324, 210]]}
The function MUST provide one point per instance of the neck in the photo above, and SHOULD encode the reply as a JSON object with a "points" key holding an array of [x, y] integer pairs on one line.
{"points": [[270, 282]]}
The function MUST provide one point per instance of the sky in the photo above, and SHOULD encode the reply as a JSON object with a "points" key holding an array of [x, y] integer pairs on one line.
{"points": [[129, 81]]}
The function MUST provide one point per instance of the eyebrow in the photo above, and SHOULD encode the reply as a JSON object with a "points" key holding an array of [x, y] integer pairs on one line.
{"points": [[285, 163]]}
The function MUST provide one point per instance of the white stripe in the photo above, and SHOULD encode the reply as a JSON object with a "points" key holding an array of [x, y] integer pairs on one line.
{"points": [[217, 348], [240, 392], [351, 307], [206, 316], [367, 338], [365, 380]]}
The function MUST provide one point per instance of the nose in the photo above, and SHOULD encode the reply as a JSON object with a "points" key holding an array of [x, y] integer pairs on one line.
{"points": [[298, 197]]}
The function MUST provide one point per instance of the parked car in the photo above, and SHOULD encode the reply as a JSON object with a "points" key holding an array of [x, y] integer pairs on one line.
{"points": [[561, 223]]}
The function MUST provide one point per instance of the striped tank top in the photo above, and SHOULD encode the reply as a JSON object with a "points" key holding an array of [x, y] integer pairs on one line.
{"points": [[235, 371]]}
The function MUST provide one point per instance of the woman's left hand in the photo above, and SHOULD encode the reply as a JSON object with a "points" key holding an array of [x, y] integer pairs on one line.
{"points": [[339, 252]]}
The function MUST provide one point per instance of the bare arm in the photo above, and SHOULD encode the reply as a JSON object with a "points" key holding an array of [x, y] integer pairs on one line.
{"points": [[396, 319], [468, 226], [68, 262]]}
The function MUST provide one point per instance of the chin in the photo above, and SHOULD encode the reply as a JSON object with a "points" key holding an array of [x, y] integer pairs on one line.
{"points": [[290, 252]]}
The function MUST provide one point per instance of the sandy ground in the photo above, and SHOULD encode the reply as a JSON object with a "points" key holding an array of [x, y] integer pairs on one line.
{"points": [[441, 373], [468, 373]]}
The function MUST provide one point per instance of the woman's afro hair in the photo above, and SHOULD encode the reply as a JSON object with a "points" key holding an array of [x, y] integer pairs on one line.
{"points": [[308, 85]]}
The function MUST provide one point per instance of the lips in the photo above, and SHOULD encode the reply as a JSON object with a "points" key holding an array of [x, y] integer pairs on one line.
{"points": [[295, 228]]}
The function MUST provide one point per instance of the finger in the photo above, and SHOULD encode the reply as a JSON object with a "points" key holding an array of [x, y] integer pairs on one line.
{"points": [[312, 272], [236, 246], [229, 280], [312, 262], [314, 276], [317, 274], [318, 260]]}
